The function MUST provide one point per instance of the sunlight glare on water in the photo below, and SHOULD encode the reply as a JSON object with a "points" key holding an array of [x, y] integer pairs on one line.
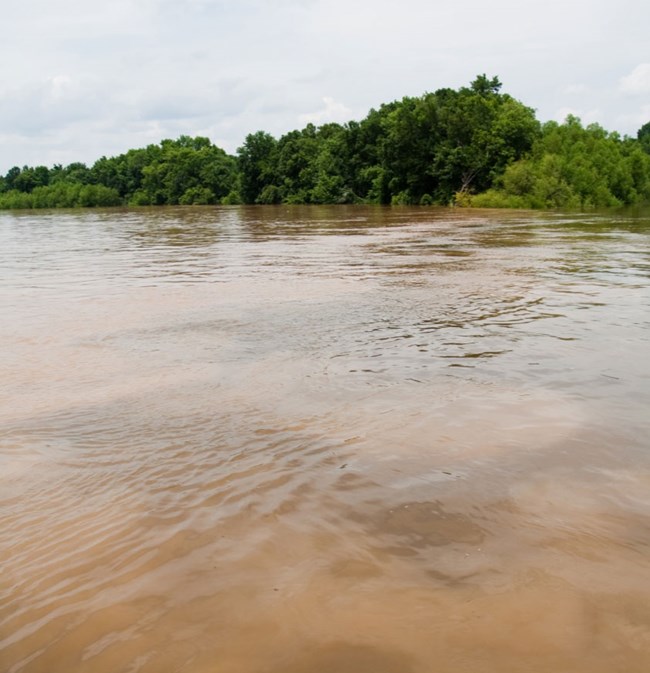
{"points": [[300, 439]]}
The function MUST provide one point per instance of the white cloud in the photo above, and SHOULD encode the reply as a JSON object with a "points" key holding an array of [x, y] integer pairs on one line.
{"points": [[638, 81], [635, 120], [331, 112], [586, 116], [576, 89], [81, 79], [43, 106], [62, 87]]}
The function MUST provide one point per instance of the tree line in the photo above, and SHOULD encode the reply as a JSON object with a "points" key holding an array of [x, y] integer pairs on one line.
{"points": [[474, 146]]}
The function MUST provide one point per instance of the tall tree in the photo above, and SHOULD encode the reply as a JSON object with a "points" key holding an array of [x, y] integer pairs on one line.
{"points": [[256, 161]]}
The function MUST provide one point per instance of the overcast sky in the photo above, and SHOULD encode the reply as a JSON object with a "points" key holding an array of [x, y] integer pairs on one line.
{"points": [[84, 78]]}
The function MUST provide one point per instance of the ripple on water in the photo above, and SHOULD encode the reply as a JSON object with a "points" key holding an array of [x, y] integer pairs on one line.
{"points": [[264, 439]]}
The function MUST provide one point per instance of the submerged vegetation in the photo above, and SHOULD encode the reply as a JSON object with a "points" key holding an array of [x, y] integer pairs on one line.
{"points": [[474, 146]]}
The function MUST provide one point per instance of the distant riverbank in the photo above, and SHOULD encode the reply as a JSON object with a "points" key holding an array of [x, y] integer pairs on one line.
{"points": [[474, 146]]}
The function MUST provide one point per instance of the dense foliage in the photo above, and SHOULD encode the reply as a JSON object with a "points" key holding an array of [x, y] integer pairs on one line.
{"points": [[186, 171], [417, 150], [574, 167], [475, 146]]}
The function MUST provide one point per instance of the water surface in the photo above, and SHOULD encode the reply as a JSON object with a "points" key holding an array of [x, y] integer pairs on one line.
{"points": [[264, 440]]}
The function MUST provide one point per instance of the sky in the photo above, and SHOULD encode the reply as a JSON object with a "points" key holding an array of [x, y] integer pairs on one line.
{"points": [[81, 79]]}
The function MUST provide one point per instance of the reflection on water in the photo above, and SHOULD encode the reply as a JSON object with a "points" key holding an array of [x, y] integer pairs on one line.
{"points": [[324, 439]]}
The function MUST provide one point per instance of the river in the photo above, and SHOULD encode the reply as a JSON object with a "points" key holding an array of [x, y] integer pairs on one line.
{"points": [[303, 439]]}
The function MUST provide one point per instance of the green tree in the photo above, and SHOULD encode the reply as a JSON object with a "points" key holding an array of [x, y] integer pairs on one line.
{"points": [[256, 161], [471, 146], [643, 136], [571, 166]]}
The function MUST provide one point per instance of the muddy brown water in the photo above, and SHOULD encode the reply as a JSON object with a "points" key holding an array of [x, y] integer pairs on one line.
{"points": [[264, 440]]}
